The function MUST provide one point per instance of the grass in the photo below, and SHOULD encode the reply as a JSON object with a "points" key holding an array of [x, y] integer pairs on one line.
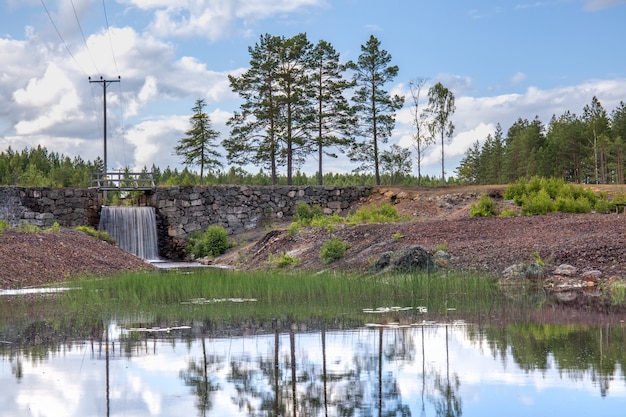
{"points": [[277, 294]]}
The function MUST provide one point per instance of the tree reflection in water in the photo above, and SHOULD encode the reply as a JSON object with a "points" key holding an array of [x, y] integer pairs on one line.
{"points": [[198, 377], [306, 369]]}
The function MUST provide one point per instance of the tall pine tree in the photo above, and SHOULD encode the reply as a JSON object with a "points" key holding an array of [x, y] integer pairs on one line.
{"points": [[374, 106], [199, 146]]}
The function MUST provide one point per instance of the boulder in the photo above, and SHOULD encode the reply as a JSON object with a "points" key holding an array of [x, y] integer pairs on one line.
{"points": [[406, 259]]}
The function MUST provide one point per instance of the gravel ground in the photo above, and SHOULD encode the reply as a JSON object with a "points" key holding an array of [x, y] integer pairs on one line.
{"points": [[586, 241], [34, 259]]}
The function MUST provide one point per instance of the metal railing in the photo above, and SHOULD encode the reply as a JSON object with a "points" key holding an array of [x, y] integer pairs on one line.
{"points": [[122, 181]]}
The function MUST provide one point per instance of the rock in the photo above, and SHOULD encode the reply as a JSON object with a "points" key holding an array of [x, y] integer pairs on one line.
{"points": [[515, 271], [591, 275], [442, 258], [406, 259], [534, 272], [383, 261], [566, 270]]}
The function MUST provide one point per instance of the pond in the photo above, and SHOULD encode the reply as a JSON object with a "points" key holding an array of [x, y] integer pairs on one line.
{"points": [[515, 359]]}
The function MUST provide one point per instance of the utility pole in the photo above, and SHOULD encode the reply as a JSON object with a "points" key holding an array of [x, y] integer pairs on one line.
{"points": [[105, 83]]}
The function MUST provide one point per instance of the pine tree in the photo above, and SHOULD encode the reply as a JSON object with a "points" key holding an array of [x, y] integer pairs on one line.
{"points": [[253, 134], [374, 106], [198, 147], [334, 118]]}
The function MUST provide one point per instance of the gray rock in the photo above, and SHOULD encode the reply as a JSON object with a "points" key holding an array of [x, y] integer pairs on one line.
{"points": [[534, 272], [565, 269], [515, 271], [406, 259]]}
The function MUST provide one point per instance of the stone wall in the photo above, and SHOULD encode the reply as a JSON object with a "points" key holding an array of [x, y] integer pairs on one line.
{"points": [[180, 211], [41, 206]]}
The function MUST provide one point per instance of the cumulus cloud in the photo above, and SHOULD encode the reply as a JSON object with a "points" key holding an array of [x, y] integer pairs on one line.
{"points": [[214, 19]]}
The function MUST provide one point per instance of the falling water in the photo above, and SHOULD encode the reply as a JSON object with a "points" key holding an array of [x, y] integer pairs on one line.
{"points": [[133, 228]]}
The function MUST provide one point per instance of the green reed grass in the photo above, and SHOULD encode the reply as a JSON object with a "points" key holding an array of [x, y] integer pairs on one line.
{"points": [[278, 293]]}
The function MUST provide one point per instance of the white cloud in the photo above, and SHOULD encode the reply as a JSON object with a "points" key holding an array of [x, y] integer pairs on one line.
{"points": [[518, 77], [154, 140], [602, 4], [214, 19]]}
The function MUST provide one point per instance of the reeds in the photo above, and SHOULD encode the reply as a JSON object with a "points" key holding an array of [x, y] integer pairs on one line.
{"points": [[215, 292]]}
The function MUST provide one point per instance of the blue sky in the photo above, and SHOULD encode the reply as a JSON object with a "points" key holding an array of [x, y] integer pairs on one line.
{"points": [[503, 60]]}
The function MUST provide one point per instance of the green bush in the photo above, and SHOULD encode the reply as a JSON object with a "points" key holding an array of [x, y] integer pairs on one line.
{"points": [[486, 207], [604, 206], [213, 242], [98, 234], [28, 227], [571, 205], [507, 212], [305, 213], [327, 223], [538, 203], [333, 250], [283, 260], [544, 195], [4, 226], [56, 227], [384, 213]]}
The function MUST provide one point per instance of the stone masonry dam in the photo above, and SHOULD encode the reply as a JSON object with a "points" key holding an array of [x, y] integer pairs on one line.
{"points": [[180, 211]]}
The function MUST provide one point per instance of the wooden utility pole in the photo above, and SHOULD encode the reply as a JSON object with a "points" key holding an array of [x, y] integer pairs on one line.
{"points": [[105, 83]]}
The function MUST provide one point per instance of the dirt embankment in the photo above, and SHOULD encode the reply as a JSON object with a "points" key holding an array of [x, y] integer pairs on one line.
{"points": [[33, 259], [440, 217]]}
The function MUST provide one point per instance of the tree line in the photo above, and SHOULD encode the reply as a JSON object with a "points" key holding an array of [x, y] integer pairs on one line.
{"points": [[39, 167], [295, 106], [589, 148]]}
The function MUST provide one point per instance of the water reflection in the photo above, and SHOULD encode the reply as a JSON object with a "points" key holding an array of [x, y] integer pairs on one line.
{"points": [[426, 370]]}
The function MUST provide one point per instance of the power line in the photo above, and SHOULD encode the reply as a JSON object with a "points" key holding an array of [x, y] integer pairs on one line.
{"points": [[84, 39], [61, 37], [106, 18]]}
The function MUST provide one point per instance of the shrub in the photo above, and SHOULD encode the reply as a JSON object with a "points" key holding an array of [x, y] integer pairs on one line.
{"points": [[293, 229], [213, 242], [4, 225], [538, 203], [384, 213], [571, 205], [604, 206], [56, 227], [486, 207], [28, 227], [305, 213], [327, 222], [283, 260], [507, 212], [98, 234], [333, 250]]}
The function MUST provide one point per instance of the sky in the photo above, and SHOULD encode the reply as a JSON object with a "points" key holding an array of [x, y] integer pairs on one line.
{"points": [[503, 60]]}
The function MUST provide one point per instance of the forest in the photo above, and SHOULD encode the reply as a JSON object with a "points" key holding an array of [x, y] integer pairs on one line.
{"points": [[589, 148]]}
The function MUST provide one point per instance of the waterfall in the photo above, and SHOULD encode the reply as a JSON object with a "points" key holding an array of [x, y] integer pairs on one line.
{"points": [[133, 228]]}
